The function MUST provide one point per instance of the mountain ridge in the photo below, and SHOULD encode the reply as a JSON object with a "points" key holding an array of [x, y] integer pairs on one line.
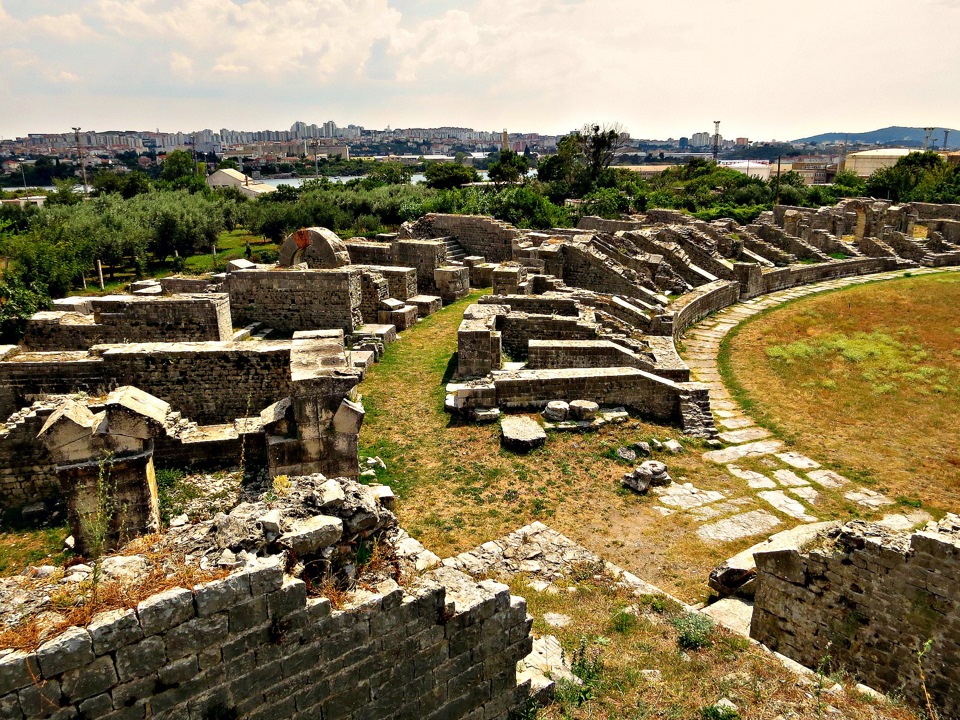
{"points": [[894, 134]]}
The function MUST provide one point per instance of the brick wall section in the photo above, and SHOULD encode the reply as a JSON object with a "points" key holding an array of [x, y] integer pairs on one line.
{"points": [[291, 300], [255, 647], [598, 224], [207, 382], [129, 318], [478, 234], [402, 280], [374, 290], [27, 472], [556, 354], [877, 597]]}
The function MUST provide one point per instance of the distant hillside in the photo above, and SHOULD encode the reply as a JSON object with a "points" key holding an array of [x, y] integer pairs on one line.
{"points": [[906, 136]]}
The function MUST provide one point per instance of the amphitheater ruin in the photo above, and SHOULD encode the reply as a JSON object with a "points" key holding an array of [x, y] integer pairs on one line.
{"points": [[267, 362]]}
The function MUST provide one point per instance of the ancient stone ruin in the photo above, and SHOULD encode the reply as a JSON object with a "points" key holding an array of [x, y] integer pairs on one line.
{"points": [[266, 362]]}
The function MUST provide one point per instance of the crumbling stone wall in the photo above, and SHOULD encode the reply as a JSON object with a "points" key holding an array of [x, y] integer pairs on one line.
{"points": [[255, 646], [290, 300], [870, 599], [588, 269], [425, 256], [374, 290], [598, 224], [130, 318], [782, 278], [478, 234], [207, 382]]}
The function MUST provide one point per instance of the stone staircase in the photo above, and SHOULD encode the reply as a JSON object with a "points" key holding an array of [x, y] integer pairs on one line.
{"points": [[455, 251]]}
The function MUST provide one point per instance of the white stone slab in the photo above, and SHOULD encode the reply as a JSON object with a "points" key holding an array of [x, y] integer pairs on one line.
{"points": [[756, 480], [806, 493], [749, 434], [731, 454], [755, 522], [736, 423], [786, 505], [788, 478], [801, 462], [868, 498], [827, 478], [686, 496]]}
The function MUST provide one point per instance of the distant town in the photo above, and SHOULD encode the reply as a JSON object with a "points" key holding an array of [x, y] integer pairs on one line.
{"points": [[329, 149]]}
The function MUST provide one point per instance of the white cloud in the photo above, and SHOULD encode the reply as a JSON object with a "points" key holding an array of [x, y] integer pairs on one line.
{"points": [[181, 65]]}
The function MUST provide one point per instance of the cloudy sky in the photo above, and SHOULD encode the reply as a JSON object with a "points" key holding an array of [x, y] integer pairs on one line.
{"points": [[766, 68]]}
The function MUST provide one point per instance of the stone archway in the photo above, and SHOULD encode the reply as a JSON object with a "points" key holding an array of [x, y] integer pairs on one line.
{"points": [[318, 247]]}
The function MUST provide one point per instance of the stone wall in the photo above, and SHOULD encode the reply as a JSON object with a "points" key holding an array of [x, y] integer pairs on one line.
{"points": [[788, 277], [519, 328], [478, 234], [208, 382], [177, 284], [129, 318], [254, 645], [598, 224], [424, 256], [653, 397], [691, 308], [369, 253], [870, 599], [591, 270], [291, 300], [556, 354]]}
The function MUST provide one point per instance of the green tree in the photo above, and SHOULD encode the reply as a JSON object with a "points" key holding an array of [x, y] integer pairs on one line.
{"points": [[444, 175], [18, 301], [509, 167], [228, 164]]}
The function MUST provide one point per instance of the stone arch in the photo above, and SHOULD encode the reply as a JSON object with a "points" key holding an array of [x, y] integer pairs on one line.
{"points": [[318, 247]]}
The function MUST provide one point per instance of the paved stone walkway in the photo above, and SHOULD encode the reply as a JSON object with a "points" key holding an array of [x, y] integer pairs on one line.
{"points": [[791, 487]]}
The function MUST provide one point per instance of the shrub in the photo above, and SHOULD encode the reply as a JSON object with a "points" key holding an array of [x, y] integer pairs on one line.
{"points": [[693, 630]]}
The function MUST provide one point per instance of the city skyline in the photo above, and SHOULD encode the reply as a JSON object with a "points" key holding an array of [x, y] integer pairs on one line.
{"points": [[660, 70]]}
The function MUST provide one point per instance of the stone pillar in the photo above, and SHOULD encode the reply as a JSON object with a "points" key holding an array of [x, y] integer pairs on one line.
{"points": [[750, 277], [105, 466]]}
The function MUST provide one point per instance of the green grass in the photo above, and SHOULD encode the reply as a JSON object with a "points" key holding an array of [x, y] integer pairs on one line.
{"points": [[864, 379], [231, 245], [21, 545]]}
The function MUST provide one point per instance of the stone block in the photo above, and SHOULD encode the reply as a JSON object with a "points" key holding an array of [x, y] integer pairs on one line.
{"points": [[71, 649], [222, 594], [312, 534], [17, 669], [289, 598], [113, 629], [92, 679], [348, 418], [135, 661], [425, 304], [165, 610]]}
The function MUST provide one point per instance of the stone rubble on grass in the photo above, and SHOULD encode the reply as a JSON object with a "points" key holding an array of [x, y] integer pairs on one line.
{"points": [[788, 478], [798, 461], [556, 411], [557, 620], [755, 480], [652, 473], [627, 454], [827, 478], [584, 410], [673, 447]]}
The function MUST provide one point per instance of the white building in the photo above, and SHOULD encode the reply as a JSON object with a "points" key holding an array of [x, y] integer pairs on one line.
{"points": [[233, 178], [867, 162], [759, 169]]}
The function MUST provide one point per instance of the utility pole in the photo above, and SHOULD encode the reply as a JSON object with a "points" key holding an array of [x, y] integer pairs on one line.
{"points": [[926, 139], [83, 168], [946, 134], [316, 158], [716, 139]]}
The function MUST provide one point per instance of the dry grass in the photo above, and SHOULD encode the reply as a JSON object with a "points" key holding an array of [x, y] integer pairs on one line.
{"points": [[867, 379], [457, 488], [636, 633], [76, 605]]}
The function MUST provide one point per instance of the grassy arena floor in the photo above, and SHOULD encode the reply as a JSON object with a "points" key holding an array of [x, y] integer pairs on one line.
{"points": [[456, 488], [866, 379]]}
